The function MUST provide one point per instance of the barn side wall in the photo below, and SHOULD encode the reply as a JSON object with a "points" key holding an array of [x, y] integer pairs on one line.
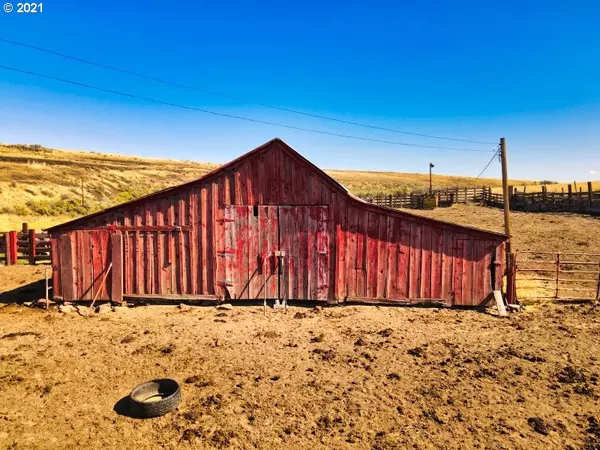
{"points": [[373, 253]]}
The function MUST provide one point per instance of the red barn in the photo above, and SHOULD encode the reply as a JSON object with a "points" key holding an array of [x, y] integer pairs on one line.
{"points": [[271, 225]]}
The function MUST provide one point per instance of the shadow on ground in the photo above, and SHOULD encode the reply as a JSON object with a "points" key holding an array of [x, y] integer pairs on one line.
{"points": [[26, 293], [124, 408]]}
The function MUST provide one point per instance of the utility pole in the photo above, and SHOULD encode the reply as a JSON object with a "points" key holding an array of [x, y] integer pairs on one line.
{"points": [[430, 183], [506, 201]]}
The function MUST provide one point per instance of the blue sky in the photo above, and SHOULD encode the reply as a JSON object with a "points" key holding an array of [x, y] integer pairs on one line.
{"points": [[529, 71]]}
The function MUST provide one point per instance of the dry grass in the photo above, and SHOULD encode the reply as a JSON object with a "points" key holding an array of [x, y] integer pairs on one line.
{"points": [[47, 182], [555, 187], [363, 183], [41, 181]]}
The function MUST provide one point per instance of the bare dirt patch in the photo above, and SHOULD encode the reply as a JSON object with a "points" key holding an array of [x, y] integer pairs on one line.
{"points": [[380, 378]]}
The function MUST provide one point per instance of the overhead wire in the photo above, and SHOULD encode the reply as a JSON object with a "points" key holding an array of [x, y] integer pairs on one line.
{"points": [[254, 102], [488, 164], [232, 116]]}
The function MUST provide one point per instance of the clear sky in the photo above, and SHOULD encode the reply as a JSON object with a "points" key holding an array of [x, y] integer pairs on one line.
{"points": [[525, 70]]}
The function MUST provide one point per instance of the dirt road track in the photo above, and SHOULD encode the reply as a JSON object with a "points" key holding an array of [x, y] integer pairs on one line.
{"points": [[351, 377]]}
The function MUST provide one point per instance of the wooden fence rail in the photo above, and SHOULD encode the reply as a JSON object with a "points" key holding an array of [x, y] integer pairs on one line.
{"points": [[570, 201], [445, 197], [26, 244]]}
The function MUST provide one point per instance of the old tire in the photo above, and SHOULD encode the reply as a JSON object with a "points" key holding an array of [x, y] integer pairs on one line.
{"points": [[155, 398]]}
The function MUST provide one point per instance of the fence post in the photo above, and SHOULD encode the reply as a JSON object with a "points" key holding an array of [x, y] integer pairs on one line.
{"points": [[12, 243], [590, 199], [570, 195], [32, 245]]}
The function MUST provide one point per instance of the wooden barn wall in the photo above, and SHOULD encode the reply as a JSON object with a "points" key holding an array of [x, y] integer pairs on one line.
{"points": [[374, 254]]}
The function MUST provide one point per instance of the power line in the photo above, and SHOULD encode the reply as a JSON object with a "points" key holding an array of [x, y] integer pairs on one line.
{"points": [[215, 113], [230, 97], [488, 164]]}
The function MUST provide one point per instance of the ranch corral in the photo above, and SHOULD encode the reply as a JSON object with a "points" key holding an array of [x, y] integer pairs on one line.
{"points": [[341, 377]]}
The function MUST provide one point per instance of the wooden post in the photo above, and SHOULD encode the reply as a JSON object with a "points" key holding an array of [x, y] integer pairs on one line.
{"points": [[505, 191], [590, 199], [25, 228], [13, 247], [32, 247], [569, 197]]}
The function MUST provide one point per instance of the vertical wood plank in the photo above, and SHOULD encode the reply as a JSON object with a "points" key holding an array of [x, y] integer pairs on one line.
{"points": [[160, 245], [149, 253], [242, 239], [382, 257], [437, 240], [361, 254], [404, 260], [351, 251], [448, 267], [312, 222], [426, 262], [254, 260], [372, 257], [116, 276], [459, 263], [341, 246], [205, 239], [415, 262], [219, 267], [231, 254], [55, 252], [193, 241], [66, 268], [323, 254], [392, 259]]}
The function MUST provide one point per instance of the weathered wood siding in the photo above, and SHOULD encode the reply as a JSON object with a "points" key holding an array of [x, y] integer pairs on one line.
{"points": [[175, 242]]}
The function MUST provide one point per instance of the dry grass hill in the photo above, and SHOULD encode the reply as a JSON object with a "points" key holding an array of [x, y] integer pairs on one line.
{"points": [[44, 186]]}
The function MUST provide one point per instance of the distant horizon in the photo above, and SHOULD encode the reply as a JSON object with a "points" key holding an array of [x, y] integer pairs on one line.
{"points": [[326, 169]]}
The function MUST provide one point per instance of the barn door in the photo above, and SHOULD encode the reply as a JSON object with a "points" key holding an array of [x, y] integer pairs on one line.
{"points": [[276, 252], [474, 271], [304, 242], [251, 245]]}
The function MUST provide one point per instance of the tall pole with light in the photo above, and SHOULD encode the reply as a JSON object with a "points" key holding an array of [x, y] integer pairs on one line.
{"points": [[431, 166]]}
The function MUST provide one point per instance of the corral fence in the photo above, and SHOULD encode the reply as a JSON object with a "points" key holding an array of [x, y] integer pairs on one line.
{"points": [[25, 245], [559, 276], [571, 201], [445, 197]]}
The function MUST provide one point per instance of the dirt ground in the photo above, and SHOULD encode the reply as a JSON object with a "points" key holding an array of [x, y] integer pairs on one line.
{"points": [[344, 377]]}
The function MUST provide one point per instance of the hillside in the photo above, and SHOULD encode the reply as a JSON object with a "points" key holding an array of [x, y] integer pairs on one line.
{"points": [[44, 186]]}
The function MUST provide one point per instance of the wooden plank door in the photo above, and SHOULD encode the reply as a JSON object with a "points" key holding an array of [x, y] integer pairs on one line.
{"points": [[473, 267], [304, 240], [251, 243]]}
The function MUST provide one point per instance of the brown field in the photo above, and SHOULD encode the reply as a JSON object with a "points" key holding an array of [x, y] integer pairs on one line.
{"points": [[344, 377], [44, 185]]}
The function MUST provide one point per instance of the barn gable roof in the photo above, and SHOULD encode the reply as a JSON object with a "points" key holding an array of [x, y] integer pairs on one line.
{"points": [[275, 143]]}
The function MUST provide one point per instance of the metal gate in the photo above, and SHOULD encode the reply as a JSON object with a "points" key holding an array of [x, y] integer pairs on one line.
{"points": [[276, 252], [561, 276]]}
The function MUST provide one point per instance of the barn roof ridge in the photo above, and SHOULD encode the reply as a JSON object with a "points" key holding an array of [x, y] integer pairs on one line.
{"points": [[281, 144]]}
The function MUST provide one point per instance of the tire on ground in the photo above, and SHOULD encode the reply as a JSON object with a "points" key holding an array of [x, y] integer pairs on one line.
{"points": [[155, 398]]}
